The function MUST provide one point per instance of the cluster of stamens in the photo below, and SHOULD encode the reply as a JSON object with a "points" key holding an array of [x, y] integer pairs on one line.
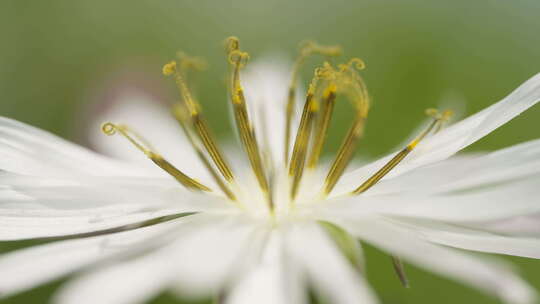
{"points": [[300, 153]]}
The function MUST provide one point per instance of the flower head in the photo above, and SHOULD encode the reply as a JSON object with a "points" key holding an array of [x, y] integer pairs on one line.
{"points": [[266, 222]]}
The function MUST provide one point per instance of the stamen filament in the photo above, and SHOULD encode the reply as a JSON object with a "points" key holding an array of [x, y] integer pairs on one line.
{"points": [[245, 128], [198, 121], [345, 154], [329, 98], [353, 86], [190, 183], [399, 268], [437, 120], [182, 117], [210, 144], [307, 49], [296, 166]]}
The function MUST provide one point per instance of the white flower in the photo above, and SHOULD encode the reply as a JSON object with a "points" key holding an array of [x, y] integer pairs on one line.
{"points": [[128, 231]]}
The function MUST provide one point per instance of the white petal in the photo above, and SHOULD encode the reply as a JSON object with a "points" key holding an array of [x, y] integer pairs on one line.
{"points": [[197, 262], [456, 137], [467, 171], [34, 207], [155, 123], [484, 274], [525, 226], [475, 240], [28, 150], [494, 202], [270, 277], [266, 84], [26, 268], [331, 274]]}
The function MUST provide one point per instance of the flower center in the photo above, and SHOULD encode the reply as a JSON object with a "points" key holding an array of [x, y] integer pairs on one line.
{"points": [[301, 152]]}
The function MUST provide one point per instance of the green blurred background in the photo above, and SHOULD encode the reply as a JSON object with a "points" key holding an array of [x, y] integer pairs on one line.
{"points": [[58, 56]]}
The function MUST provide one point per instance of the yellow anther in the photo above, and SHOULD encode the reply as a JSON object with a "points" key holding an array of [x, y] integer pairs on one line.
{"points": [[306, 49], [322, 124], [169, 68], [301, 144], [239, 59], [314, 107], [331, 89], [345, 154], [110, 129], [302, 140], [196, 120], [433, 127], [348, 82], [183, 117]]}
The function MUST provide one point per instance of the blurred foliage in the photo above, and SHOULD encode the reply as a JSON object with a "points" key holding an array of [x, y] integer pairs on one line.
{"points": [[56, 53]]}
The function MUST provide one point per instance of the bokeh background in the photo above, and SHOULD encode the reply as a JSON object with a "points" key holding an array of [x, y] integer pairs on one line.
{"points": [[59, 57]]}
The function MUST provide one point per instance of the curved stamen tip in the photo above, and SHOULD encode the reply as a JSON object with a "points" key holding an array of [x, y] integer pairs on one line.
{"points": [[238, 57], [438, 115], [190, 62], [232, 44], [108, 128], [309, 47], [169, 68], [358, 63], [446, 115]]}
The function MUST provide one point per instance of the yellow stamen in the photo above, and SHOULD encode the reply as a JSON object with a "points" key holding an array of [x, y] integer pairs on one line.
{"points": [[198, 122], [238, 59], [306, 49], [352, 85], [183, 118], [190, 183], [322, 125], [345, 154], [311, 106], [438, 118]]}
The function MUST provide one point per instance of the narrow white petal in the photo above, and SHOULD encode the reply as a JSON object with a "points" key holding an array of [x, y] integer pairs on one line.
{"points": [[525, 225], [130, 282], [456, 137], [331, 274], [197, 263], [270, 277], [28, 150], [475, 240], [26, 268], [34, 207], [493, 202], [484, 274]]}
